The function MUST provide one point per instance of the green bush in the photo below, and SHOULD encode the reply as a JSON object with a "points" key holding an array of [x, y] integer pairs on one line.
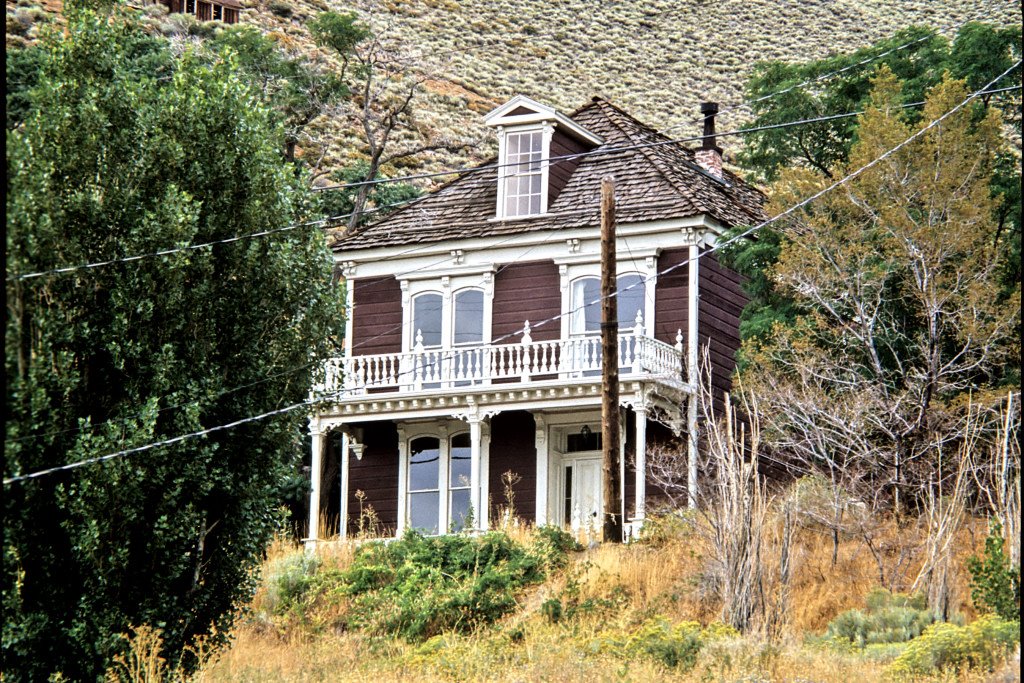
{"points": [[995, 583], [289, 581], [675, 646], [888, 618], [281, 9], [418, 587], [944, 646]]}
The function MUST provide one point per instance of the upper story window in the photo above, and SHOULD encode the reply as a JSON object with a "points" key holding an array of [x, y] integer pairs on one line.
{"points": [[449, 320], [468, 317], [524, 174], [586, 303], [526, 130]]}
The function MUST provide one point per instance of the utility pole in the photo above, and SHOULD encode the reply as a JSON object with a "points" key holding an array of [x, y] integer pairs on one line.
{"points": [[609, 366]]}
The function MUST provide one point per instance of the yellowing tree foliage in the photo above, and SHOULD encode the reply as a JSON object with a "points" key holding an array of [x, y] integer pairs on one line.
{"points": [[903, 331]]}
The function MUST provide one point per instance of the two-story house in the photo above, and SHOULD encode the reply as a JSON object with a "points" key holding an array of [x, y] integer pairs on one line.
{"points": [[473, 343]]}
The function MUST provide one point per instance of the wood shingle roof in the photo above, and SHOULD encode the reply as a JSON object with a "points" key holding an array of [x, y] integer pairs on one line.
{"points": [[652, 183]]}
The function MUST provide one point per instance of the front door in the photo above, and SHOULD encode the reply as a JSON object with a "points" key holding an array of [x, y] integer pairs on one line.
{"points": [[582, 495]]}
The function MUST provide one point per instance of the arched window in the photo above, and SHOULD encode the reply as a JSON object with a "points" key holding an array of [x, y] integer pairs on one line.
{"points": [[426, 318], [424, 484], [438, 486], [586, 303]]}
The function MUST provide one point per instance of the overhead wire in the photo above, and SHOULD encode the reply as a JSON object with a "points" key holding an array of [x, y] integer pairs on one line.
{"points": [[550, 161], [716, 247]]}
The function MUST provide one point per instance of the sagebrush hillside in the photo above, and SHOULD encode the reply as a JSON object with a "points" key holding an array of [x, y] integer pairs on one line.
{"points": [[656, 59]]}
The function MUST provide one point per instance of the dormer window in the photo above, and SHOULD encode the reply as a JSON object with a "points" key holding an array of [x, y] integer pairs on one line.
{"points": [[528, 134], [523, 173]]}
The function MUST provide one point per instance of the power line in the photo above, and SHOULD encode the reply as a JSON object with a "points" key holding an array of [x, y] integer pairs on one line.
{"points": [[718, 246], [191, 247], [150, 446], [460, 171], [468, 170]]}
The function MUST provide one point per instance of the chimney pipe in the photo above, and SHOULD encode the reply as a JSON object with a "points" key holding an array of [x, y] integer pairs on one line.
{"points": [[709, 156], [708, 111]]}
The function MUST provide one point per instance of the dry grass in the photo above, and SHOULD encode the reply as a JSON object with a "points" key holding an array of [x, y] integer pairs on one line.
{"points": [[629, 584]]}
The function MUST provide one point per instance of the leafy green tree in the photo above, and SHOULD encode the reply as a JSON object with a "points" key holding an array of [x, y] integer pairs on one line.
{"points": [[979, 53], [995, 581], [298, 88], [114, 158]]}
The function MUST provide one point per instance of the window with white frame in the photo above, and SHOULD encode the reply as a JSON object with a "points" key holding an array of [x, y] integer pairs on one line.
{"points": [[523, 174], [427, 319], [468, 317], [585, 303], [439, 470]]}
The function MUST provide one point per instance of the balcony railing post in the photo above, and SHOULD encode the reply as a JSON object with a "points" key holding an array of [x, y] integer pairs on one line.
{"points": [[526, 342], [418, 366]]}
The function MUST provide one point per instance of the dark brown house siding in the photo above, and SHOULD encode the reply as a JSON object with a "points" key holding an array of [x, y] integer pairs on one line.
{"points": [[376, 475], [670, 296], [526, 291], [513, 449], [376, 316], [721, 301]]}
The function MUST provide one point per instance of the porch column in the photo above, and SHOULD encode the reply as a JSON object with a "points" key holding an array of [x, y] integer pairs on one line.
{"points": [[640, 464], [540, 441], [693, 342], [485, 476], [315, 473], [403, 475], [474, 470], [343, 521]]}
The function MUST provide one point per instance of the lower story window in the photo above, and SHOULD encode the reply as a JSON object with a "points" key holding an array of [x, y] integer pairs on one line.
{"points": [[439, 471]]}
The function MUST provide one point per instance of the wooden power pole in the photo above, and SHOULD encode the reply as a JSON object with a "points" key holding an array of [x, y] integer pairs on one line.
{"points": [[609, 366]]}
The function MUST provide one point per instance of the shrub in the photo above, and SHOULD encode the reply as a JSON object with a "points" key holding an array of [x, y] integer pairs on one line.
{"points": [[995, 583], [889, 618], [289, 580], [418, 587], [676, 646], [946, 646], [281, 9]]}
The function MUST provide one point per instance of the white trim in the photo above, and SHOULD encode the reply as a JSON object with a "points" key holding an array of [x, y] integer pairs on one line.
{"points": [[484, 253], [542, 112], [316, 433], [693, 341], [403, 478]]}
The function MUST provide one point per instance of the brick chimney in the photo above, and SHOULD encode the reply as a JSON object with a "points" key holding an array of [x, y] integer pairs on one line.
{"points": [[709, 156]]}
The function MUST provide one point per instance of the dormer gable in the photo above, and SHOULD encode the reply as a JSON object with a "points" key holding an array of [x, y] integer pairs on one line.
{"points": [[528, 131]]}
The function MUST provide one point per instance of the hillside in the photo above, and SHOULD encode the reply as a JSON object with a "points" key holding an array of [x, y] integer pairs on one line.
{"points": [[656, 59]]}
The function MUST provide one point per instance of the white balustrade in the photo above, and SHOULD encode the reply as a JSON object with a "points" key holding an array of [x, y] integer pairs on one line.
{"points": [[527, 361]]}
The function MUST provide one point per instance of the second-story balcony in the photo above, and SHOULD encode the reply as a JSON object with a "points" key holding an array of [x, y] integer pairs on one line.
{"points": [[560, 361]]}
